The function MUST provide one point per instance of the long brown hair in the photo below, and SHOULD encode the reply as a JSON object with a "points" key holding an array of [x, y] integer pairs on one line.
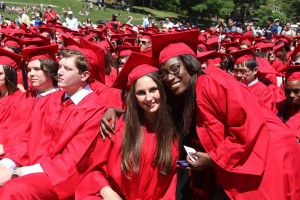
{"points": [[10, 79], [133, 137]]}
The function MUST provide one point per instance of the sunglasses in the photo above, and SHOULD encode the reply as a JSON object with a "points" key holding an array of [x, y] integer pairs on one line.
{"points": [[143, 42], [296, 63]]}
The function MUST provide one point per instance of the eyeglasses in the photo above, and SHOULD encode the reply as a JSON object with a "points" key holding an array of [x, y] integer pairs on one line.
{"points": [[143, 42], [164, 73], [243, 72]]}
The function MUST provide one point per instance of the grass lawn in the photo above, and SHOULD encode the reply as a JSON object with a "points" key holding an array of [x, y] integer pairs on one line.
{"points": [[77, 5]]}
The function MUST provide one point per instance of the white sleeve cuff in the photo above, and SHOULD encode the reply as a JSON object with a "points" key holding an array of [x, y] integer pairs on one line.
{"points": [[8, 163], [31, 169]]}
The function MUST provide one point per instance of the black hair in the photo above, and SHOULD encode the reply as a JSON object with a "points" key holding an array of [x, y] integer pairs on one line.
{"points": [[270, 19], [251, 64]]}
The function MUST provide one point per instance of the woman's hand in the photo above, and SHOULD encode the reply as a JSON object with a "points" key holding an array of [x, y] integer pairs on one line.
{"points": [[107, 123], [204, 161], [109, 194]]}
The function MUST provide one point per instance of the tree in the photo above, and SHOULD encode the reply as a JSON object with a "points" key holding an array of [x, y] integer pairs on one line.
{"points": [[209, 8]]}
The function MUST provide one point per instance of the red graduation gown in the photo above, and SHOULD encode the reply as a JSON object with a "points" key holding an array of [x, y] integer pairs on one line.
{"points": [[264, 95], [108, 96], [5, 112], [147, 184], [109, 79], [294, 124], [244, 142], [22, 106], [62, 138]]}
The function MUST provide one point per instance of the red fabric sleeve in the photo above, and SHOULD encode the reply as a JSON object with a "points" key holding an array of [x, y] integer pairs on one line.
{"points": [[229, 123], [67, 168]]}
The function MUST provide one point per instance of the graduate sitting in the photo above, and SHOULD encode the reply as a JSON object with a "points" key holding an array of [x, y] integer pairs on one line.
{"points": [[61, 138]]}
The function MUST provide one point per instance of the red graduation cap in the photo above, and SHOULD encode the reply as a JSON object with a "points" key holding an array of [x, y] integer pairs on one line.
{"points": [[137, 66], [243, 55], [10, 59], [68, 41], [292, 75], [264, 66], [213, 42], [12, 41], [215, 58], [278, 48], [248, 40], [18, 32], [285, 39], [127, 50], [6, 30], [146, 35], [264, 46], [36, 53], [35, 41], [292, 72], [231, 46], [129, 41], [46, 29], [36, 35], [236, 38], [248, 33], [61, 29], [131, 32], [201, 38], [166, 46], [127, 26], [115, 37], [204, 45], [95, 56], [204, 56], [96, 33], [274, 38]]}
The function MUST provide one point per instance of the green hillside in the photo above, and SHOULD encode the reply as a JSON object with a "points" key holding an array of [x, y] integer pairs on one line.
{"points": [[77, 6]]}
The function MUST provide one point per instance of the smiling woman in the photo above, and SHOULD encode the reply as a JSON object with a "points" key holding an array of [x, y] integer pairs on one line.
{"points": [[144, 145], [230, 129]]}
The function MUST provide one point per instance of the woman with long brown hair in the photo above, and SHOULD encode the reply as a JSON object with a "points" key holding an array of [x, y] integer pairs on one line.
{"points": [[142, 162]]}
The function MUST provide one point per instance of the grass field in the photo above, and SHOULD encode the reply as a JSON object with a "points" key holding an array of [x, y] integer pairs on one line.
{"points": [[77, 5]]}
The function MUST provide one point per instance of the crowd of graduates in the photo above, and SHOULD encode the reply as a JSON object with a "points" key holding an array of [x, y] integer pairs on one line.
{"points": [[105, 113]]}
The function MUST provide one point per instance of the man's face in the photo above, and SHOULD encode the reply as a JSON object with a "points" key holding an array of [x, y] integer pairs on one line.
{"points": [[243, 74], [292, 89], [145, 44], [68, 74]]}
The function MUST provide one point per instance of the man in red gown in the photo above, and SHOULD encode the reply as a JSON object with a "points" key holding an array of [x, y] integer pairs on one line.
{"points": [[61, 138]]}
